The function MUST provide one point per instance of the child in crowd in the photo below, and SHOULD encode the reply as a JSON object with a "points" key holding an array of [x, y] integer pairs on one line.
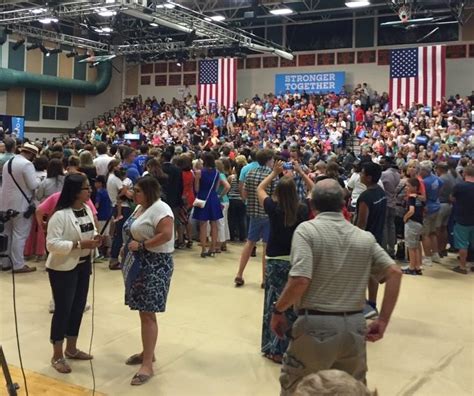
{"points": [[104, 210], [413, 220], [127, 185]]}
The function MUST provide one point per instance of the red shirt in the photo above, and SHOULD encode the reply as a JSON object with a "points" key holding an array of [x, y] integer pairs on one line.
{"points": [[359, 115]]}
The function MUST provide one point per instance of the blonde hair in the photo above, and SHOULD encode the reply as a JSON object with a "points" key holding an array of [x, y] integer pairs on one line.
{"points": [[331, 383], [85, 159]]}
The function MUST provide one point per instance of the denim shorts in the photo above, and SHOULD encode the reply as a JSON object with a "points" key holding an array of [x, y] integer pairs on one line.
{"points": [[259, 228]]}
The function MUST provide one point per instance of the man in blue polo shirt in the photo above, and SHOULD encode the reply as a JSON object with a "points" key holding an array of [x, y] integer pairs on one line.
{"points": [[430, 221]]}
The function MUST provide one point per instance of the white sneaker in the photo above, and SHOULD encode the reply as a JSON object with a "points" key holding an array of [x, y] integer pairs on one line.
{"points": [[436, 258], [427, 261], [405, 267]]}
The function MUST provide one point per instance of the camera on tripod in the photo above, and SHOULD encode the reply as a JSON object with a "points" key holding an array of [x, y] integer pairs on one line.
{"points": [[5, 217]]}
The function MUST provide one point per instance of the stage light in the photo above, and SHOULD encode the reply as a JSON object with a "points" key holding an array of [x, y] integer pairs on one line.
{"points": [[55, 51]]}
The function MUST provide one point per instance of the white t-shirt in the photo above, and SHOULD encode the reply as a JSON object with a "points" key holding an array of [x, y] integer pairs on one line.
{"points": [[101, 164], [114, 185], [143, 228]]}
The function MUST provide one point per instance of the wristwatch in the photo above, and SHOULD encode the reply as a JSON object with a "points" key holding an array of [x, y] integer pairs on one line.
{"points": [[275, 311]]}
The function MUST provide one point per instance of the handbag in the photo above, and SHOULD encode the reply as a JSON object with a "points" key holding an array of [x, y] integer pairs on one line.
{"points": [[201, 203], [31, 206]]}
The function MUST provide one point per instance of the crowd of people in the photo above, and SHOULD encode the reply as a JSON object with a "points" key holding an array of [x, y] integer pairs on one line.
{"points": [[321, 180]]}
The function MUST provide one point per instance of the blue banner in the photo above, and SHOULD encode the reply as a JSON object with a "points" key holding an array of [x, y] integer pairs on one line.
{"points": [[18, 127], [310, 82]]}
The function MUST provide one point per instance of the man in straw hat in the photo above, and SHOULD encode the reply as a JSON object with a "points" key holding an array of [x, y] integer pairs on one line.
{"points": [[17, 196]]}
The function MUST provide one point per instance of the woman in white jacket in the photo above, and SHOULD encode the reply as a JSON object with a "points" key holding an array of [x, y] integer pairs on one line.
{"points": [[71, 240]]}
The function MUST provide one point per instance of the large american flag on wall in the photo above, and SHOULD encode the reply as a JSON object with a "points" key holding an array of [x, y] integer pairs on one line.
{"points": [[417, 75], [218, 82]]}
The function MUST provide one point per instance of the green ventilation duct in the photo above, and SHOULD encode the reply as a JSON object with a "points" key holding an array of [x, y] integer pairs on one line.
{"points": [[12, 78]]}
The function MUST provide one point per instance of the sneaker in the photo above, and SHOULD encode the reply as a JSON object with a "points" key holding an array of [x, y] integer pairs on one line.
{"points": [[427, 261], [405, 267], [409, 271], [419, 272], [436, 258], [370, 312]]}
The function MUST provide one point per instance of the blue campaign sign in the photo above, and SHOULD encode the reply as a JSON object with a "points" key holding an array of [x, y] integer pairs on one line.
{"points": [[18, 126], [310, 82]]}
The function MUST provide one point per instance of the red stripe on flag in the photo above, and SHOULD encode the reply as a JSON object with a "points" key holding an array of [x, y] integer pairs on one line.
{"points": [[399, 92], [416, 90]]}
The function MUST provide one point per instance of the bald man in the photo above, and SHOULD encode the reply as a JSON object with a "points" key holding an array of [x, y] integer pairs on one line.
{"points": [[331, 262]]}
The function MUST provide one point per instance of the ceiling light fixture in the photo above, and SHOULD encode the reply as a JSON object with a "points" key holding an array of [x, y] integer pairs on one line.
{"points": [[104, 12], [169, 5], [357, 3], [154, 24], [217, 18], [281, 11], [38, 10], [48, 20], [107, 29]]}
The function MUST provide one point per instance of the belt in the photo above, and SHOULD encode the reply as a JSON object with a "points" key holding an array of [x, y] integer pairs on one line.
{"points": [[326, 313]]}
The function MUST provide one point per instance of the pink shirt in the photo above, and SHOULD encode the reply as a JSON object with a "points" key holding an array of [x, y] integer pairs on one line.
{"points": [[49, 204]]}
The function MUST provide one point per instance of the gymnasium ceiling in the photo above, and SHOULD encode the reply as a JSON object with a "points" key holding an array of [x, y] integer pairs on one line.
{"points": [[130, 28]]}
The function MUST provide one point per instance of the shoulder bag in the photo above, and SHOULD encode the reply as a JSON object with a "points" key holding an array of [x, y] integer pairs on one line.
{"points": [[31, 206], [201, 203]]}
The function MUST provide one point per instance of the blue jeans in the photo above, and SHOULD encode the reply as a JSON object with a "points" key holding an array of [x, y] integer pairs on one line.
{"points": [[117, 240]]}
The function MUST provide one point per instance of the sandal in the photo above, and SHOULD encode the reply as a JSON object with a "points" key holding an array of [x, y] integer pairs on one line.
{"points": [[61, 366], [409, 271], [136, 359], [211, 253], [278, 359], [140, 379], [203, 254], [460, 270], [239, 281], [115, 267], [189, 244], [79, 355]]}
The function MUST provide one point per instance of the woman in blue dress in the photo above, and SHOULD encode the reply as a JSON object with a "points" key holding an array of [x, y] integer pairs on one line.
{"points": [[206, 183]]}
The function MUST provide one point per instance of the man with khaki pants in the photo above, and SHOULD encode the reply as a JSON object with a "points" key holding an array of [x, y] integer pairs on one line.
{"points": [[331, 262]]}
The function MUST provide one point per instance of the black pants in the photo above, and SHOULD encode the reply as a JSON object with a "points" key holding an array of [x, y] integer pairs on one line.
{"points": [[117, 240], [237, 219], [70, 290]]}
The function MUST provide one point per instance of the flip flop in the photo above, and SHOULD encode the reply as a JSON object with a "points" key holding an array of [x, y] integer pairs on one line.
{"points": [[79, 355], [460, 270], [140, 379], [61, 366]]}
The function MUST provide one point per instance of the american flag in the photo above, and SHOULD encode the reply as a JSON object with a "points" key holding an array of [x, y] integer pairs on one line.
{"points": [[417, 75], [218, 82]]}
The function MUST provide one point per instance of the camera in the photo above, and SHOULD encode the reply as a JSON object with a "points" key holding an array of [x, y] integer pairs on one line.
{"points": [[30, 211], [288, 166], [4, 217]]}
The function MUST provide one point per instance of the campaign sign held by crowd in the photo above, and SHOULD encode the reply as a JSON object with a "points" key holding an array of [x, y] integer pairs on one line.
{"points": [[310, 82]]}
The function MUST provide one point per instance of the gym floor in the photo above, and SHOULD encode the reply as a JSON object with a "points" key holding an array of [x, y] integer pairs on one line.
{"points": [[209, 338]]}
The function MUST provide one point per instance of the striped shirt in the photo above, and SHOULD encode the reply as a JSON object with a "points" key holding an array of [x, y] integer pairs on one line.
{"points": [[252, 180], [339, 258]]}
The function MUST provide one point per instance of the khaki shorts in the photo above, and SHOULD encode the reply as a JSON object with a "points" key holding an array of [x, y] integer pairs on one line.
{"points": [[443, 215], [323, 343], [429, 224]]}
